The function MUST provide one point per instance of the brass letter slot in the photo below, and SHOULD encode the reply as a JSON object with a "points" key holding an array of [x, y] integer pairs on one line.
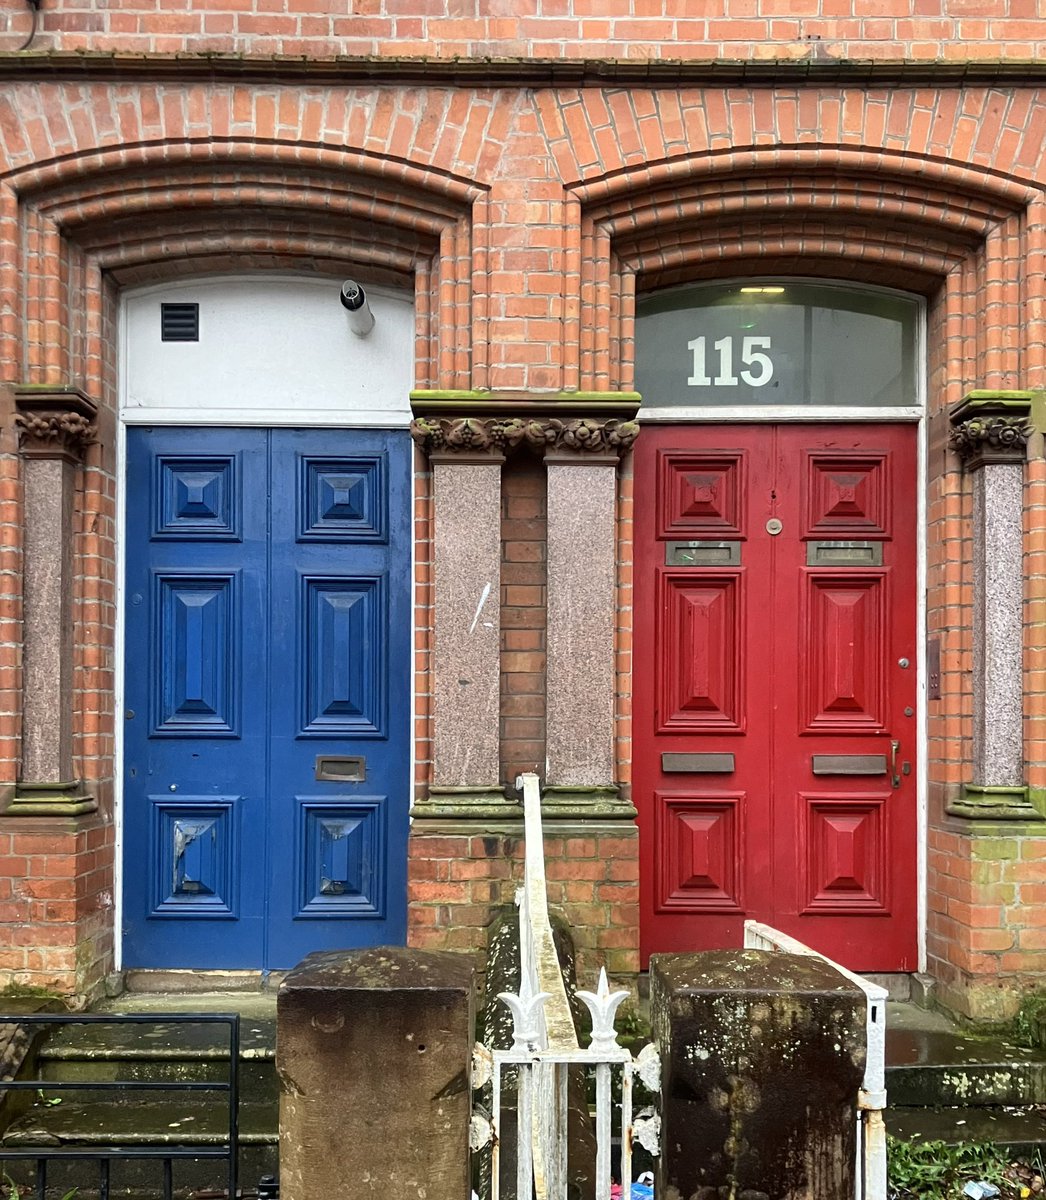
{"points": [[844, 554], [849, 764], [352, 769], [702, 554], [697, 764]]}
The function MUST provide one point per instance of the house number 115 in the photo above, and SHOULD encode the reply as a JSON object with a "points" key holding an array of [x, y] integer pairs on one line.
{"points": [[757, 367]]}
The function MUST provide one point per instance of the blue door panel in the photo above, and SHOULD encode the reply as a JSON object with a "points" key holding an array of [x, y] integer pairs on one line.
{"points": [[342, 651], [268, 641]]}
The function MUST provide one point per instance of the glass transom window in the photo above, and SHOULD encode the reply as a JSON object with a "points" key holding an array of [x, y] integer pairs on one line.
{"points": [[751, 343]]}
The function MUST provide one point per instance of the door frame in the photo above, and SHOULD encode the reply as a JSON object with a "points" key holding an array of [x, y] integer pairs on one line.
{"points": [[260, 418], [916, 415]]}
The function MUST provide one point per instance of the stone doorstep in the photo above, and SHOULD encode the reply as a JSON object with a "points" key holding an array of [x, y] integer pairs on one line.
{"points": [[189, 982]]}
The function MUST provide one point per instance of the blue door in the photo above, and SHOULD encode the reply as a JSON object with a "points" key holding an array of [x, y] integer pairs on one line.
{"points": [[268, 641]]}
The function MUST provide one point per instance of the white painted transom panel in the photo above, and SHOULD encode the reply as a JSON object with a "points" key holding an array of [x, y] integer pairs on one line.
{"points": [[271, 350]]}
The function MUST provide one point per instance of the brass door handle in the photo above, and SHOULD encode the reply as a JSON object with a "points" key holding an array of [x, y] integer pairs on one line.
{"points": [[895, 779]]}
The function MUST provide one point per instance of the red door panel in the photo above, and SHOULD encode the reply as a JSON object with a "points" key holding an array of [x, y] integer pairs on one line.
{"points": [[774, 763]]}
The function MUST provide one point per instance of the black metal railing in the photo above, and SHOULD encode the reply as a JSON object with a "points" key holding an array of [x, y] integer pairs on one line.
{"points": [[106, 1155]]}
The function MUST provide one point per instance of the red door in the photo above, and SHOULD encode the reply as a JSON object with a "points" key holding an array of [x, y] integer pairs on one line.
{"points": [[775, 687]]}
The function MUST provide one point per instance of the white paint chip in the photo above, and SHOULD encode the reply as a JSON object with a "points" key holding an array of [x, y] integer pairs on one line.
{"points": [[479, 608]]}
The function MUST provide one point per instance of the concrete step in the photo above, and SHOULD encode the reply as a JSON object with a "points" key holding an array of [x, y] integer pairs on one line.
{"points": [[130, 1119], [1019, 1130], [931, 1062]]}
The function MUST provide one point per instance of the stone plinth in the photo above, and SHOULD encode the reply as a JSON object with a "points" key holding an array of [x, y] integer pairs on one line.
{"points": [[373, 1050], [762, 1056]]}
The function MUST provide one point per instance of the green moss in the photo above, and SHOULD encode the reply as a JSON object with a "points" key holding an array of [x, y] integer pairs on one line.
{"points": [[1029, 1025], [26, 991]]}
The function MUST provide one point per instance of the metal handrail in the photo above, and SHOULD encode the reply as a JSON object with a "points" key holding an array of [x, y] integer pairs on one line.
{"points": [[105, 1155], [871, 1099]]}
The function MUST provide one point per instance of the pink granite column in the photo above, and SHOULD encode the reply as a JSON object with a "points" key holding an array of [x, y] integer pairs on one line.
{"points": [[581, 458], [990, 433], [54, 424], [466, 456]]}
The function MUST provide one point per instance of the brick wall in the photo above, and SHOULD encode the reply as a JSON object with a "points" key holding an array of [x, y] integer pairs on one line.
{"points": [[635, 30], [459, 882], [523, 611], [526, 220]]}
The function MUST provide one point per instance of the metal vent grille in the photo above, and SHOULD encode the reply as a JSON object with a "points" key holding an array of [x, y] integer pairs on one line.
{"points": [[180, 322]]}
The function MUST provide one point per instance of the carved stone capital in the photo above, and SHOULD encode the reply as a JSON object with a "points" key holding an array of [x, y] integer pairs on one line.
{"points": [[582, 435], [502, 435], [991, 428], [982, 440], [467, 435], [54, 422]]}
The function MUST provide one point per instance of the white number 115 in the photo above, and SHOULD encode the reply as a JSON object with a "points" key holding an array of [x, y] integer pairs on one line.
{"points": [[752, 356]]}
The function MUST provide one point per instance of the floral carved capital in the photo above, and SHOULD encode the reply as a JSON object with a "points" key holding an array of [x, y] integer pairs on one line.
{"points": [[991, 439], [502, 435], [54, 424], [467, 435], [585, 435]]}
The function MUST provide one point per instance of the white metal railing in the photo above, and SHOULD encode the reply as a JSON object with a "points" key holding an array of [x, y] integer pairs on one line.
{"points": [[545, 1047], [871, 1099]]}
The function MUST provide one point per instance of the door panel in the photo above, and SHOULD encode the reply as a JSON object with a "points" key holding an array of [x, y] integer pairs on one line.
{"points": [[267, 759], [769, 691]]}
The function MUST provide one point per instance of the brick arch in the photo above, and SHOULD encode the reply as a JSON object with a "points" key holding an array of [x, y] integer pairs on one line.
{"points": [[93, 221], [870, 215], [600, 136]]}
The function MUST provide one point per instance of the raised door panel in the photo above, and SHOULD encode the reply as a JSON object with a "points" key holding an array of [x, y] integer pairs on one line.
{"points": [[700, 851], [844, 853], [701, 494], [195, 663], [344, 663], [700, 665], [843, 665]]}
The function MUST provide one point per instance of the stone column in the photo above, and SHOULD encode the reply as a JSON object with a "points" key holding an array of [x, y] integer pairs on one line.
{"points": [[581, 457], [990, 433], [373, 1052], [466, 456], [54, 425]]}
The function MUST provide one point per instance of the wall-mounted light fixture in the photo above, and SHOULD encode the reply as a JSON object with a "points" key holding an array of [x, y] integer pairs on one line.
{"points": [[354, 300]]}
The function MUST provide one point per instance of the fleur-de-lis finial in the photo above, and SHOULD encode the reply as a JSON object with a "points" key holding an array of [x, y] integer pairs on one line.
{"points": [[603, 1004], [526, 1012]]}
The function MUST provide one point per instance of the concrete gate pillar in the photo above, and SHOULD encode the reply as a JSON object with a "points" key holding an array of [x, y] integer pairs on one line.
{"points": [[54, 426], [373, 1051], [762, 1055], [990, 432]]}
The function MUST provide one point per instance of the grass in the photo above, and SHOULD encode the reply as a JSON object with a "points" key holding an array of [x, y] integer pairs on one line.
{"points": [[939, 1171], [14, 1192]]}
